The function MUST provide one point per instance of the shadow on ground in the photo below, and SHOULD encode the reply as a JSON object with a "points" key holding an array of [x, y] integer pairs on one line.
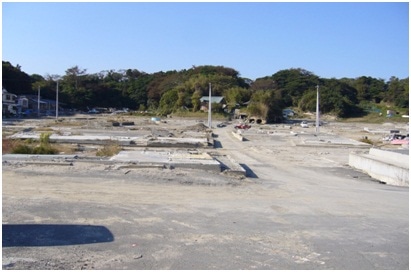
{"points": [[54, 235], [248, 172]]}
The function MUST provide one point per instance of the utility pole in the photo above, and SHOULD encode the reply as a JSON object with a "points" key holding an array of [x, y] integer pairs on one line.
{"points": [[38, 102], [57, 100], [317, 112], [209, 105]]}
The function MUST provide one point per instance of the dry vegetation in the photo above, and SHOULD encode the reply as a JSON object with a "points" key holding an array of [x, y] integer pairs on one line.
{"points": [[108, 150]]}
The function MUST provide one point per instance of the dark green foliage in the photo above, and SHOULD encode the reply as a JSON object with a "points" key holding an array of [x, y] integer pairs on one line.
{"points": [[267, 105], [294, 83], [14, 80], [369, 88], [168, 102], [47, 87], [167, 92], [339, 98], [237, 96], [398, 92]]}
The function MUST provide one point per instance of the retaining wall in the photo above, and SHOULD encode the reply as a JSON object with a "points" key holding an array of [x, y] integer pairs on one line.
{"points": [[387, 166]]}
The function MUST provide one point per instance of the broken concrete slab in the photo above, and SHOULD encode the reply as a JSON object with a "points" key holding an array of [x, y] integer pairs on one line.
{"points": [[121, 140], [29, 157], [178, 142], [230, 166], [169, 158]]}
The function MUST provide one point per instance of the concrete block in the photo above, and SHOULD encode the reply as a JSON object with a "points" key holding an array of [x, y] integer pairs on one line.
{"points": [[238, 136], [384, 165]]}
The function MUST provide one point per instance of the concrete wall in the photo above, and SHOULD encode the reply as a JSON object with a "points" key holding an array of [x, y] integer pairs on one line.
{"points": [[386, 166], [391, 156]]}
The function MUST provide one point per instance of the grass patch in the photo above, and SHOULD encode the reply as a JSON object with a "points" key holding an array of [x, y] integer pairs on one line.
{"points": [[377, 114], [22, 149], [8, 145], [45, 149], [39, 149], [15, 146], [199, 114], [375, 118], [65, 123], [108, 150]]}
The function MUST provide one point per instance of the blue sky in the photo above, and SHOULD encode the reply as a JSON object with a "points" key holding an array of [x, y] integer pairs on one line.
{"points": [[257, 39]]}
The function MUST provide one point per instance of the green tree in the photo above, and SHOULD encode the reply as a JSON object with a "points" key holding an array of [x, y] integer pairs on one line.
{"points": [[195, 100], [135, 88], [236, 95], [168, 102], [267, 104], [293, 83], [14, 80], [338, 98], [369, 89], [398, 92], [73, 76], [264, 83]]}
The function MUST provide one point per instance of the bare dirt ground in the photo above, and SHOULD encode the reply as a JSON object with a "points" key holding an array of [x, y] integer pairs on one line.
{"points": [[300, 207]]}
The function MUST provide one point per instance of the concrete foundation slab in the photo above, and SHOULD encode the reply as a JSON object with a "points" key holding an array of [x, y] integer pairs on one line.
{"points": [[169, 158], [328, 140], [121, 140]]}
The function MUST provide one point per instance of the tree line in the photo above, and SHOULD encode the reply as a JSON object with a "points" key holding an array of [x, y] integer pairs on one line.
{"points": [[172, 91]]}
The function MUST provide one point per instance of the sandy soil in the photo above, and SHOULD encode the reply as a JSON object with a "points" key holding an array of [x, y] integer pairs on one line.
{"points": [[300, 207]]}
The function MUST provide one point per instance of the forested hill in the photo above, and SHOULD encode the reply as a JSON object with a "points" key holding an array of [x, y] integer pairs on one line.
{"points": [[171, 91]]}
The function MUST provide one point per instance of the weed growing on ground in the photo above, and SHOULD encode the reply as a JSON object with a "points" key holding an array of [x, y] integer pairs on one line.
{"points": [[9, 144], [27, 147], [367, 141], [21, 149], [108, 150], [45, 138]]}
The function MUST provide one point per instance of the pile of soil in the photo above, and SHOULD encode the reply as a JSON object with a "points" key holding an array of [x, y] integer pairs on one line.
{"points": [[199, 127]]}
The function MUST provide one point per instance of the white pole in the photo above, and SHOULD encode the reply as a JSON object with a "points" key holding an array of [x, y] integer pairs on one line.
{"points": [[317, 112], [57, 100], [38, 103], [209, 105]]}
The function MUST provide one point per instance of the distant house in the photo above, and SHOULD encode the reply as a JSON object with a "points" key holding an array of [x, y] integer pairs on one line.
{"points": [[26, 104], [32, 102], [8, 97], [22, 102], [214, 99], [9, 103]]}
